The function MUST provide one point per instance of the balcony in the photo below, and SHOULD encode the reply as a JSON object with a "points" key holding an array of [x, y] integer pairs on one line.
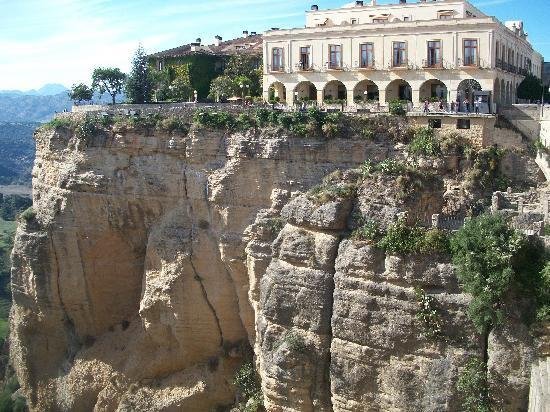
{"points": [[371, 66], [334, 66], [499, 64], [399, 65], [275, 69], [303, 67], [470, 63], [430, 64]]}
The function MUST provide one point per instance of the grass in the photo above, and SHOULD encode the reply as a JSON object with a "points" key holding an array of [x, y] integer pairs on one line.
{"points": [[7, 231]]}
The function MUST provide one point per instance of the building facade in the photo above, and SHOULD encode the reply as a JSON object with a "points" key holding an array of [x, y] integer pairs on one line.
{"points": [[364, 52], [206, 62]]}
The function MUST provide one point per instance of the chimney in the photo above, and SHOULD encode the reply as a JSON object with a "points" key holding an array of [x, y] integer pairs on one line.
{"points": [[198, 41], [359, 3], [217, 40], [245, 33], [274, 28], [402, 1], [315, 8]]}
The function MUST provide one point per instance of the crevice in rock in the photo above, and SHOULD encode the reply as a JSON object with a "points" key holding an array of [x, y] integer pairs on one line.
{"points": [[205, 295]]}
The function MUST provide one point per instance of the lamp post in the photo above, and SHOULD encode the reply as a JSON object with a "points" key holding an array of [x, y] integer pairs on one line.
{"points": [[365, 95], [296, 98], [195, 96]]}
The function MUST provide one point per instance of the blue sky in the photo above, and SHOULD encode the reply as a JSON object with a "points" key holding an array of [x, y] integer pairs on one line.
{"points": [[61, 41]]}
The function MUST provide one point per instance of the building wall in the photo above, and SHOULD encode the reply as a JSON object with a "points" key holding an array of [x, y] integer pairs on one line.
{"points": [[489, 72]]}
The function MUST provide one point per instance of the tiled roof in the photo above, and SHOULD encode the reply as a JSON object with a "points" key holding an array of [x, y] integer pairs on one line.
{"points": [[242, 45]]}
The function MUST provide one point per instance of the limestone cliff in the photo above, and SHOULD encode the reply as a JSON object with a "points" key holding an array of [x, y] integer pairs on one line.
{"points": [[156, 261]]}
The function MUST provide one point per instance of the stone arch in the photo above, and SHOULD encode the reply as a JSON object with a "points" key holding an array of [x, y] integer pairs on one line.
{"points": [[466, 89], [305, 91], [277, 91], [335, 89], [366, 90], [398, 89], [433, 88]]}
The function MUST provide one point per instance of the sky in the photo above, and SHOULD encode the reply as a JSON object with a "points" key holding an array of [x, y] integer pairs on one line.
{"points": [[61, 41]]}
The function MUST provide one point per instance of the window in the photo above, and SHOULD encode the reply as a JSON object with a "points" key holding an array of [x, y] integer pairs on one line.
{"points": [[399, 54], [380, 20], [277, 59], [434, 123], [445, 16], [305, 58], [434, 53], [367, 55], [335, 56], [463, 124], [470, 52], [354, 21], [406, 18]]}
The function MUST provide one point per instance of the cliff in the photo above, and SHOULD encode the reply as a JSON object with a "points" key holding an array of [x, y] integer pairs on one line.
{"points": [[155, 261]]}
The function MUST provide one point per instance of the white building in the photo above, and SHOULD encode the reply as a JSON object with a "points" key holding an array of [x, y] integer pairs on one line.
{"points": [[412, 51]]}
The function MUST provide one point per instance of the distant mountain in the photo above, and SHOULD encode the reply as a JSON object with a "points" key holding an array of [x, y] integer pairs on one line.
{"points": [[16, 152], [32, 108], [50, 89]]}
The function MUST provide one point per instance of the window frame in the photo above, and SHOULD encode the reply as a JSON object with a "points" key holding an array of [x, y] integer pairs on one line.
{"points": [[402, 53], [365, 64], [338, 55], [466, 59], [439, 61], [308, 54], [463, 124], [280, 67]]}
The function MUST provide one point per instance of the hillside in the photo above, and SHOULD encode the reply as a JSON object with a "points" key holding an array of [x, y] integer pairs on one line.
{"points": [[16, 152]]}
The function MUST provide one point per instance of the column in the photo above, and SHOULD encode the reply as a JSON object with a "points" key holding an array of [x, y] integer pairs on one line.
{"points": [[416, 97], [350, 96], [290, 98], [382, 96], [320, 96]]}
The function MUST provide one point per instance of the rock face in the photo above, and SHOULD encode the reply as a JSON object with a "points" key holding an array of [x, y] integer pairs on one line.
{"points": [[152, 266]]}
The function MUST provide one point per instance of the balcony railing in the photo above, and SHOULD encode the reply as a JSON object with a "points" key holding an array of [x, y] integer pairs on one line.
{"points": [[399, 65], [304, 67], [499, 64], [430, 64], [368, 66], [334, 66], [275, 69]]}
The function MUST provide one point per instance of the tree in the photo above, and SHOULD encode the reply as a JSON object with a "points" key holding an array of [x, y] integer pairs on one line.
{"points": [[80, 92], [530, 88], [222, 87], [246, 65], [108, 79], [180, 88], [139, 84]]}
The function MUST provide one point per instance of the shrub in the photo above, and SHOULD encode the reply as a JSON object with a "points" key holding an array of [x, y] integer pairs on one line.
{"points": [[367, 133], [330, 192], [59, 123], [485, 172], [543, 295], [428, 314], [174, 124], [403, 239], [396, 107], [275, 224], [262, 116], [369, 231], [248, 387], [244, 122], [391, 167], [216, 120], [331, 130], [472, 384], [87, 128], [491, 258], [29, 214], [425, 142], [294, 342]]}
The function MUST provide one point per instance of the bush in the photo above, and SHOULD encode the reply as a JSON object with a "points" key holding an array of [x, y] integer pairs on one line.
{"points": [[472, 384], [87, 128], [331, 130], [29, 214], [425, 143], [391, 167], [330, 192], [369, 231], [403, 239], [491, 259], [275, 224], [485, 172], [215, 120], [428, 314], [367, 133], [174, 124], [59, 123], [396, 107]]}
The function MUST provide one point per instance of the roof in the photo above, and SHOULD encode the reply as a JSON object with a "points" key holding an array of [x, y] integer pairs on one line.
{"points": [[242, 45]]}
